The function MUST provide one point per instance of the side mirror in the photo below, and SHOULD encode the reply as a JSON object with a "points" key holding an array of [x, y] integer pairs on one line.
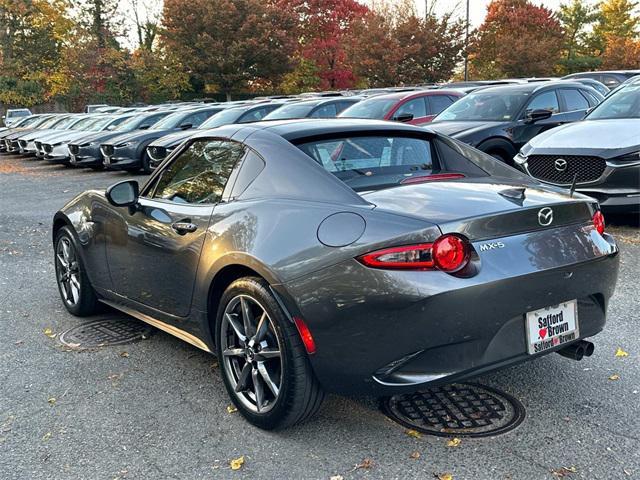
{"points": [[186, 126], [403, 117], [534, 116], [123, 194]]}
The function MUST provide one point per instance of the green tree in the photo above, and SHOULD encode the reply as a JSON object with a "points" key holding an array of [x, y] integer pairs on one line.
{"points": [[228, 45], [577, 19]]}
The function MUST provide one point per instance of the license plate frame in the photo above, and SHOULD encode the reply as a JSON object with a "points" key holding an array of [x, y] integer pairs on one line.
{"points": [[549, 327]]}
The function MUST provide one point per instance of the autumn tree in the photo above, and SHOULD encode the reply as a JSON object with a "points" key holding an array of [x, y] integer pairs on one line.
{"points": [[31, 39], [228, 45], [516, 39], [323, 27]]}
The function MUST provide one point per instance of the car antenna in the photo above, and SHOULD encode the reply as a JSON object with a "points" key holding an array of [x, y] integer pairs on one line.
{"points": [[573, 185]]}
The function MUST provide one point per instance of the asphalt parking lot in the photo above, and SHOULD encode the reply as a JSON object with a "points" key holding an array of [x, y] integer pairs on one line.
{"points": [[157, 408]]}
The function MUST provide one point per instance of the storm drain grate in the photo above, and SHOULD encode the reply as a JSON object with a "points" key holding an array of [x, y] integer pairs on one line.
{"points": [[456, 410], [105, 332]]}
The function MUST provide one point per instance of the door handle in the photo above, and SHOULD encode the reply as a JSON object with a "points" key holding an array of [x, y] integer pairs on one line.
{"points": [[183, 227]]}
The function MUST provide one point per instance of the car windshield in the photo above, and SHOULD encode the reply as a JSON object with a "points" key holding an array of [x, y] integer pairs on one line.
{"points": [[224, 117], [169, 122], [51, 122], [370, 108], [624, 103], [291, 111], [100, 124], [18, 113], [40, 121], [24, 122], [371, 162], [485, 106], [83, 124]]}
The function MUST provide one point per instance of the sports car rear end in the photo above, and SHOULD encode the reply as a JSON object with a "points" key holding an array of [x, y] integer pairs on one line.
{"points": [[539, 274]]}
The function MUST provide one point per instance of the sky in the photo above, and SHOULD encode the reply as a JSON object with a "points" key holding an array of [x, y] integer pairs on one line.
{"points": [[478, 8]]}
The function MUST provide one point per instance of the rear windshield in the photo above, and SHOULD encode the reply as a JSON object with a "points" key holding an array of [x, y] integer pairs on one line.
{"points": [[370, 108], [372, 162]]}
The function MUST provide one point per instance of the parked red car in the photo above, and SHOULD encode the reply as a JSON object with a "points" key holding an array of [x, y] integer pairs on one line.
{"points": [[415, 107]]}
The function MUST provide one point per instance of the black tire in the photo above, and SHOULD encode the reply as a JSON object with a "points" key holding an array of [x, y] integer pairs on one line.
{"points": [[146, 163], [85, 302], [300, 395]]}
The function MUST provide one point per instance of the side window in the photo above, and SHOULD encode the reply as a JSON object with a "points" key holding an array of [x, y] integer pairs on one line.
{"points": [[591, 98], [438, 103], [325, 111], [340, 106], [415, 107], [573, 100], [199, 174], [544, 101]]}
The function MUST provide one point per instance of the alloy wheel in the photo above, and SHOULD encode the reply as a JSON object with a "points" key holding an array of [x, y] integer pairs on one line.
{"points": [[68, 271], [251, 353]]}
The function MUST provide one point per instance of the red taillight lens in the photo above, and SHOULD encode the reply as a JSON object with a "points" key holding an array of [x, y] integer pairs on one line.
{"points": [[305, 335], [598, 221], [449, 253], [410, 257]]}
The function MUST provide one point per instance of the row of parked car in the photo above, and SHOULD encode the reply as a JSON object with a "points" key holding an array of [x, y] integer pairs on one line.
{"points": [[512, 120]]}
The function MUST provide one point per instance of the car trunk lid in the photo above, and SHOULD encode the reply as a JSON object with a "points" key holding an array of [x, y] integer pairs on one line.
{"points": [[485, 208]]}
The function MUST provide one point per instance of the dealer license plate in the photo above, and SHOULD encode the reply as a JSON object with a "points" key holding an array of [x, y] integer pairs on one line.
{"points": [[552, 326]]}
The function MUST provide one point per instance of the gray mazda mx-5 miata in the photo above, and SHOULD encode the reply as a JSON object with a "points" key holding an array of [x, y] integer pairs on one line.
{"points": [[350, 256]]}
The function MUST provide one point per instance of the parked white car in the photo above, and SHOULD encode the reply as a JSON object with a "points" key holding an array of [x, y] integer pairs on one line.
{"points": [[15, 114]]}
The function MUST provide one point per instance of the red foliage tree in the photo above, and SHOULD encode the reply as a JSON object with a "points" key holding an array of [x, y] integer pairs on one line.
{"points": [[324, 27]]}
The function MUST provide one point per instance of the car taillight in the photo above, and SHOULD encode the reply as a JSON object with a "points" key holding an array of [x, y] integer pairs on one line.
{"points": [[449, 253], [598, 221]]}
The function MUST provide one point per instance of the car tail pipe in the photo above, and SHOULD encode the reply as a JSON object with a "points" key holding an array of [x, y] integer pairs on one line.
{"points": [[577, 350]]}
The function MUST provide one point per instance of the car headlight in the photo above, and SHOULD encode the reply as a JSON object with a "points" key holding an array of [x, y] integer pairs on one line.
{"points": [[629, 157]]}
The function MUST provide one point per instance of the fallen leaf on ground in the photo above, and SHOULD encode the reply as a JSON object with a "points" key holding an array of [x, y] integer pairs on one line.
{"points": [[454, 442], [124, 354], [415, 455], [236, 463], [615, 376], [443, 476], [563, 472], [336, 477], [51, 400], [621, 353], [231, 409], [49, 333], [413, 433], [627, 472], [46, 436], [366, 463]]}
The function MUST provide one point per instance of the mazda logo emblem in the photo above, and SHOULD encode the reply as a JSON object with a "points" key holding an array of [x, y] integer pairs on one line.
{"points": [[545, 216], [560, 164]]}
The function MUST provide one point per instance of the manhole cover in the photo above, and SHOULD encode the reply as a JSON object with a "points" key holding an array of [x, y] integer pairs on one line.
{"points": [[104, 332], [459, 409]]}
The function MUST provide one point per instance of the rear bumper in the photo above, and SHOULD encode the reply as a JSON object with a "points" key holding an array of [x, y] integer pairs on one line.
{"points": [[384, 332]]}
